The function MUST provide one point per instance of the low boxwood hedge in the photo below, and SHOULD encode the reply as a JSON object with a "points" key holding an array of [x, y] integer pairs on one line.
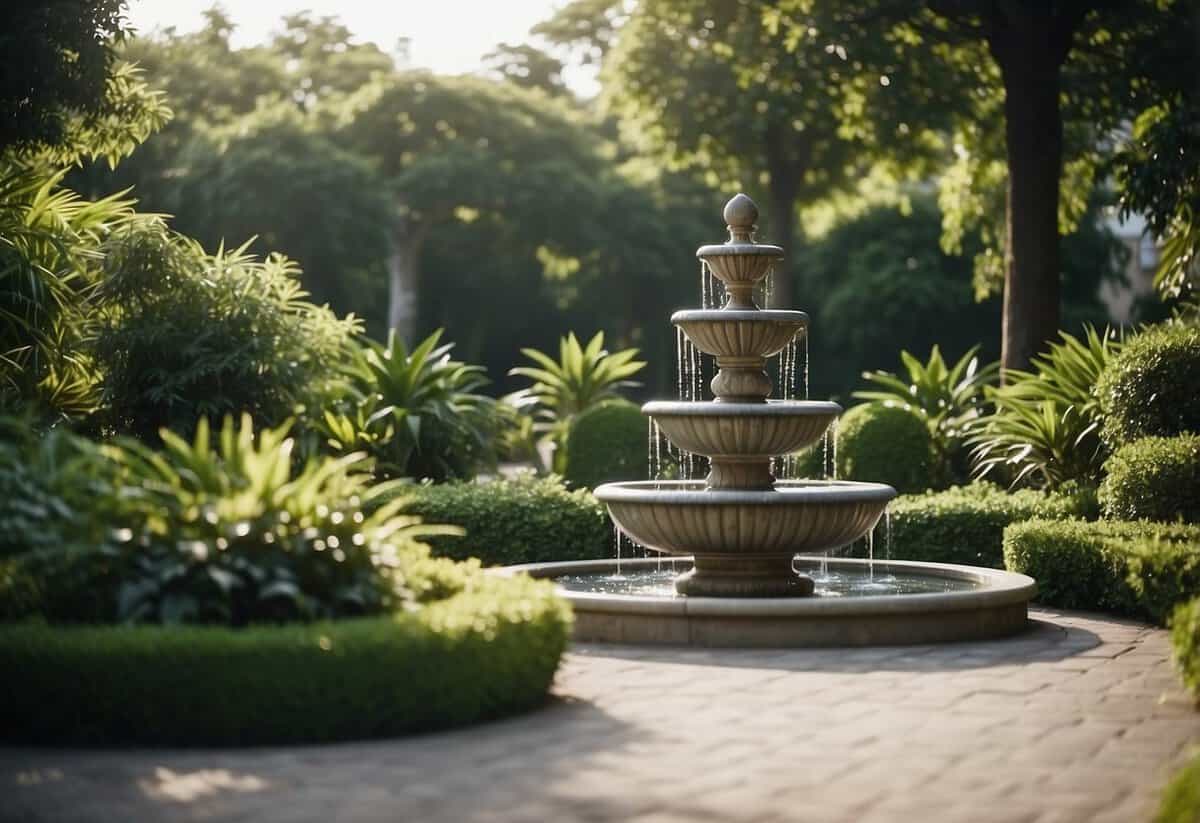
{"points": [[525, 520], [1155, 478], [1185, 638], [965, 524], [489, 649], [607, 442], [1139, 569], [1181, 800]]}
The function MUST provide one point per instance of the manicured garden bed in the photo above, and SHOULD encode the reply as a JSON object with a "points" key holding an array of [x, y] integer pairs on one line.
{"points": [[488, 650]]}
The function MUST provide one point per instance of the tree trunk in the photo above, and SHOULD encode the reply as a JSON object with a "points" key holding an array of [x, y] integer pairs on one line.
{"points": [[404, 276], [783, 192], [1030, 49]]}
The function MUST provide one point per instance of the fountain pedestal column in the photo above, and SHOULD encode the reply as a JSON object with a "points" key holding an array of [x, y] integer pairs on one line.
{"points": [[743, 575]]}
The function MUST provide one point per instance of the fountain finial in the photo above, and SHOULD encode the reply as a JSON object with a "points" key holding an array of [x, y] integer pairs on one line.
{"points": [[741, 214]]}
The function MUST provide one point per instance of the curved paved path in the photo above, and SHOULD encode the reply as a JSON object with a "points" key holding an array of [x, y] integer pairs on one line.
{"points": [[1079, 720]]}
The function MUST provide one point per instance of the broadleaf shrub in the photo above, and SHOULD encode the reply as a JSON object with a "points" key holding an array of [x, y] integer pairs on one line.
{"points": [[1149, 390], [190, 335], [885, 444], [490, 647], [523, 520], [606, 442], [965, 524], [1155, 478], [1139, 569]]}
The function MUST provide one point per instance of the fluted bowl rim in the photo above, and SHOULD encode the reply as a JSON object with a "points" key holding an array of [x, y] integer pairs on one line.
{"points": [[797, 318], [740, 250], [715, 408], [785, 493]]}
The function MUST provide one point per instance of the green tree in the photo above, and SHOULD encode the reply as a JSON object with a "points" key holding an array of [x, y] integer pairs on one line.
{"points": [[59, 57], [711, 87], [1059, 77]]}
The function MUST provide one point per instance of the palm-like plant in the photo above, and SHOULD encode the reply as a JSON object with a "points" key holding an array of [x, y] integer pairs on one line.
{"points": [[1045, 427], [582, 377], [416, 412], [949, 398], [49, 256], [233, 531]]}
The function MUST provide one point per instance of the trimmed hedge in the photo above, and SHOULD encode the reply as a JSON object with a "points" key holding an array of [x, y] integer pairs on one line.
{"points": [[1155, 478], [1149, 389], [607, 442], [490, 649], [885, 444], [1181, 800], [526, 520], [1185, 637], [1138, 569], [965, 524]]}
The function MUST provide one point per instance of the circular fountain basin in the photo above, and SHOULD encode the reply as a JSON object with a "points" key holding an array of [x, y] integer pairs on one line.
{"points": [[740, 332], [857, 603], [742, 430]]}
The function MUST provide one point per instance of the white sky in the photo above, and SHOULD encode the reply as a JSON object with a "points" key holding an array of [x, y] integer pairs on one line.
{"points": [[447, 36]]}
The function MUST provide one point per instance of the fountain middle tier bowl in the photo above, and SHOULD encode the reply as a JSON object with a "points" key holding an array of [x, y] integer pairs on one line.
{"points": [[795, 517], [740, 332], [743, 430]]}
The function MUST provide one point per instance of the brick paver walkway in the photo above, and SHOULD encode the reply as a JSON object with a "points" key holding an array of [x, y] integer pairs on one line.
{"points": [[1079, 720]]}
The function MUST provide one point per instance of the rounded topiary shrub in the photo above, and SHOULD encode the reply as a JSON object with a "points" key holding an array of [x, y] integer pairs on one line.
{"points": [[885, 444], [1149, 390], [606, 442], [1155, 478]]}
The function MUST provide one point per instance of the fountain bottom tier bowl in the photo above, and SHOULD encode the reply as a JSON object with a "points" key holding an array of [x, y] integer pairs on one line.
{"points": [[855, 603], [743, 541]]}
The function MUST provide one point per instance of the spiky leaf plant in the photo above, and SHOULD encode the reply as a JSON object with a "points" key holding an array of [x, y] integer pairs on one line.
{"points": [[1045, 427]]}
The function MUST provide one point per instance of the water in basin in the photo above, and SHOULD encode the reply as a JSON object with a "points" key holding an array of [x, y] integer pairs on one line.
{"points": [[659, 582]]}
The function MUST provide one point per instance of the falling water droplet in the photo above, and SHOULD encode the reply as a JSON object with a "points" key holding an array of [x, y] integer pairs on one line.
{"points": [[834, 440], [806, 364]]}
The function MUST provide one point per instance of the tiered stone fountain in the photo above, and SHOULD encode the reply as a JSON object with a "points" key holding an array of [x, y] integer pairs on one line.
{"points": [[742, 525], [745, 531]]}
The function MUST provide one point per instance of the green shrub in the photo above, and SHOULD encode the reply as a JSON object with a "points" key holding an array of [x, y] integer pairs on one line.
{"points": [[606, 442], [1139, 569], [965, 524], [490, 649], [49, 485], [1150, 389], [1185, 638], [947, 398], [885, 444], [526, 520], [188, 335], [416, 413], [1044, 429], [230, 532], [1155, 478], [1181, 799]]}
